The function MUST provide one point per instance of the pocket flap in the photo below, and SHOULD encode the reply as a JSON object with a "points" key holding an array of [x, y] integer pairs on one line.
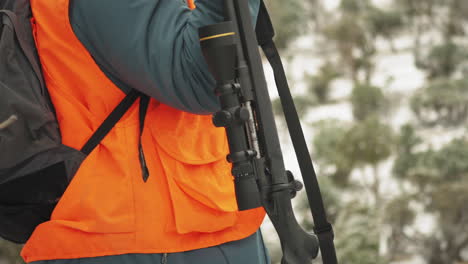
{"points": [[192, 139]]}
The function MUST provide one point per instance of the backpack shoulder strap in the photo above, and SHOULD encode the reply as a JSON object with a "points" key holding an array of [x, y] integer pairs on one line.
{"points": [[111, 120], [22, 37]]}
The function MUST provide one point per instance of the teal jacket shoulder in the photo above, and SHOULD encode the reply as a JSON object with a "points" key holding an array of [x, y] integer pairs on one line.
{"points": [[152, 46]]}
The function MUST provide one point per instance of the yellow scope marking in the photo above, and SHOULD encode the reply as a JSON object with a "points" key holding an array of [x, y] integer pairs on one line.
{"points": [[218, 36]]}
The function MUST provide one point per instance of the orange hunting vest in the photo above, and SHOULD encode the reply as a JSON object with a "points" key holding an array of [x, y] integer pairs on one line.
{"points": [[187, 203]]}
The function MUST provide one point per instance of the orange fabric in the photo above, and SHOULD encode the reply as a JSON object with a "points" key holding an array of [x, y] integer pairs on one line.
{"points": [[188, 202], [191, 4]]}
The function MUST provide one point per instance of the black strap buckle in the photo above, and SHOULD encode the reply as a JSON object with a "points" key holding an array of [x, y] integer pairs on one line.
{"points": [[325, 230]]}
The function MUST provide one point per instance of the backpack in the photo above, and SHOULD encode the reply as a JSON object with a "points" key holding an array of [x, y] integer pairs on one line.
{"points": [[35, 167]]}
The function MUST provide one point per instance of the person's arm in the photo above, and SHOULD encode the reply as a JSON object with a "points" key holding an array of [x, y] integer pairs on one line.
{"points": [[152, 46]]}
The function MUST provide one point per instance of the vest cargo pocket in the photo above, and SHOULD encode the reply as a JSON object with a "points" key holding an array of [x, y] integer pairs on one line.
{"points": [[193, 155]]}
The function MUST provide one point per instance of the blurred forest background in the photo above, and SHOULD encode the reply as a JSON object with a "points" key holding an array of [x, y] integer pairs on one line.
{"points": [[382, 88]]}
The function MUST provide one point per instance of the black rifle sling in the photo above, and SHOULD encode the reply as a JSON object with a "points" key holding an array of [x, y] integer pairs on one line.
{"points": [[323, 229], [110, 121]]}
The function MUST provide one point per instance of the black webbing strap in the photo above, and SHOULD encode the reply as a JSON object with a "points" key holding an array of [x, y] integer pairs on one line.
{"points": [[323, 228], [110, 121], [144, 103]]}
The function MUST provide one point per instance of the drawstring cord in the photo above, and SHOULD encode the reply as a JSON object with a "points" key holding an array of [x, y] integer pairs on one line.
{"points": [[8, 122]]}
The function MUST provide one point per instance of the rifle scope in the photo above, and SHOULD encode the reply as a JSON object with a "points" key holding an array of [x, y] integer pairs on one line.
{"points": [[219, 47]]}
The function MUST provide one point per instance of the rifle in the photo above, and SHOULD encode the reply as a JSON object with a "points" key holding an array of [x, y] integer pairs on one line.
{"points": [[231, 50]]}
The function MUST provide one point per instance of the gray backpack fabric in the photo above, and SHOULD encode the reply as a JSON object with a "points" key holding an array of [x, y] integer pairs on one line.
{"points": [[35, 168]]}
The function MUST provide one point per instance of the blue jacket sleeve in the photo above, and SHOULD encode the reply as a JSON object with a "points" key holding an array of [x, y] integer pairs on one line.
{"points": [[152, 46]]}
